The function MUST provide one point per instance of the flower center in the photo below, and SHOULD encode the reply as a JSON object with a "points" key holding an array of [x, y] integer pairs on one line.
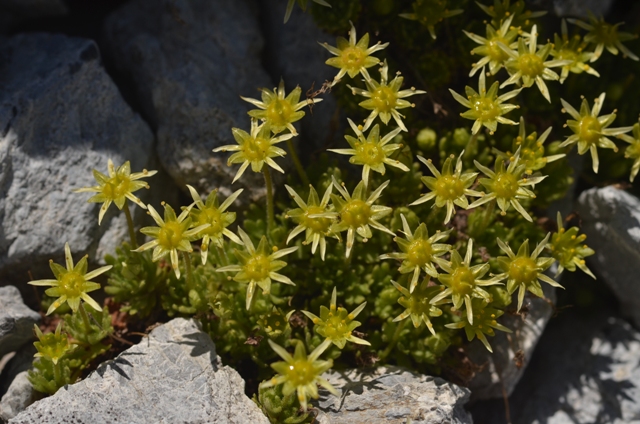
{"points": [[255, 149], [523, 270], [258, 267], [116, 187], [336, 327], [370, 153], [494, 50], [353, 58], [384, 99], [317, 225], [419, 252], [531, 64], [449, 187], [506, 185], [170, 235], [356, 213], [462, 281], [605, 33], [279, 112], [485, 108], [590, 129], [71, 284], [301, 372], [214, 217], [633, 151]]}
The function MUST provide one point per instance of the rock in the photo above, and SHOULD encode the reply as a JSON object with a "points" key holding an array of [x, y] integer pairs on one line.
{"points": [[14, 12], [60, 117], [21, 361], [172, 376], [16, 320], [611, 220], [296, 57], [586, 370], [579, 8], [502, 373], [19, 396], [190, 62], [392, 395]]}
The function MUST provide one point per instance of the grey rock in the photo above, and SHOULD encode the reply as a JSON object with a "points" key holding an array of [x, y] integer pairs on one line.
{"points": [[580, 8], [19, 362], [392, 395], [296, 57], [16, 320], [611, 220], [61, 116], [172, 376], [587, 370], [19, 396], [500, 371], [190, 61]]}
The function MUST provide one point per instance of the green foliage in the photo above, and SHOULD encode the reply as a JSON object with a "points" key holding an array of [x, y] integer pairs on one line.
{"points": [[280, 408]]}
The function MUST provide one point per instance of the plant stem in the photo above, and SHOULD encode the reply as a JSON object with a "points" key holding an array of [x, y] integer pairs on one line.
{"points": [[488, 214], [394, 340], [187, 264], [132, 232], [271, 221], [296, 162], [85, 319], [472, 146], [57, 374], [222, 255]]}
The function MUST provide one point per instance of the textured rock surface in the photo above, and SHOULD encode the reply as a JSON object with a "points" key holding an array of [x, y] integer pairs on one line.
{"points": [[173, 376], [586, 369], [60, 117], [579, 8], [190, 61], [392, 395], [20, 394], [16, 320], [501, 370], [296, 57], [611, 220]]}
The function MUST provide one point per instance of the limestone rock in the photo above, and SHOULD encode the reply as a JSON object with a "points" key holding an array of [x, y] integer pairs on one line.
{"points": [[60, 117], [20, 394], [392, 395], [16, 320], [172, 376], [501, 367], [190, 62], [611, 220]]}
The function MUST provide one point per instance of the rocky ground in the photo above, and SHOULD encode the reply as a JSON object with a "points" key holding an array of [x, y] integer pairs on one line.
{"points": [[127, 81]]}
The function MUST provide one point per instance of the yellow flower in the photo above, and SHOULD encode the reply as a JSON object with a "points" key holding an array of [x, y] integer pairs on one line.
{"points": [[633, 150], [528, 64], [448, 188], [417, 304], [590, 130], [429, 13], [573, 50], [171, 234], [337, 324], [605, 35], [568, 248], [258, 266], [419, 251], [255, 148], [494, 56], [358, 213], [507, 185], [484, 321], [463, 283], [300, 373], [279, 112], [216, 216], [303, 5], [485, 107], [314, 217], [385, 98], [52, 346], [71, 284], [525, 271], [116, 187], [353, 58], [372, 152]]}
